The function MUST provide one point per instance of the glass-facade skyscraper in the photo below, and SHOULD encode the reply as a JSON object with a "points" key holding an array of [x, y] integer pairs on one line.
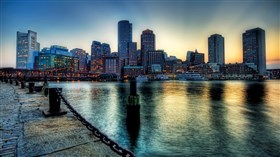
{"points": [[216, 49], [124, 37], [254, 49], [26, 48]]}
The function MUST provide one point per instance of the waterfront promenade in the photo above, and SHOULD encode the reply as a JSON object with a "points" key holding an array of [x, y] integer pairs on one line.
{"points": [[24, 131]]}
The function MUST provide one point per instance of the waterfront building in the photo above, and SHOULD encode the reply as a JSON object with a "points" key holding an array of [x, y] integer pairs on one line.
{"points": [[195, 58], [274, 73], [169, 65], [155, 57], [179, 67], [26, 46], [124, 37], [237, 71], [96, 57], [147, 44], [132, 53], [59, 50], [133, 71], [56, 57], [155, 69], [203, 69], [110, 64], [106, 50], [139, 58], [254, 49], [216, 49], [215, 67], [98, 52], [82, 57]]}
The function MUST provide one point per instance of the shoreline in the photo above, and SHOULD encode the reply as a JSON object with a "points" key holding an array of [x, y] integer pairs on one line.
{"points": [[26, 132]]}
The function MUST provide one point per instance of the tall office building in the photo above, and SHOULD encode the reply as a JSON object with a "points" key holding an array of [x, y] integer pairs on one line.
{"points": [[155, 58], [254, 49], [96, 57], [98, 52], [147, 44], [106, 50], [132, 53], [110, 64], [82, 56], [26, 46], [124, 37], [216, 49]]}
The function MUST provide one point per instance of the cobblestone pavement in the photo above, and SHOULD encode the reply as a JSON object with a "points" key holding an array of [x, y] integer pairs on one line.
{"points": [[24, 131]]}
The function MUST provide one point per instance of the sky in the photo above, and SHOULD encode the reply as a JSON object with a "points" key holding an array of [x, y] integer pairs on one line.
{"points": [[179, 25]]}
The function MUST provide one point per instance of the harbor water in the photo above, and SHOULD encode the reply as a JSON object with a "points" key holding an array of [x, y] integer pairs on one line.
{"points": [[184, 118]]}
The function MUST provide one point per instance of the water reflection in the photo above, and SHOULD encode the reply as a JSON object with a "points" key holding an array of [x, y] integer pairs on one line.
{"points": [[255, 93], [133, 128], [216, 91], [219, 125], [195, 88], [229, 118], [264, 137]]}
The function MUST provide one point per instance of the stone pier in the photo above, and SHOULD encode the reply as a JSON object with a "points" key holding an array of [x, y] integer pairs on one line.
{"points": [[24, 130]]}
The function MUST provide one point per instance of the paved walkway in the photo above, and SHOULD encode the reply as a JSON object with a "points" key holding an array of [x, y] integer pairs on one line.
{"points": [[24, 131]]}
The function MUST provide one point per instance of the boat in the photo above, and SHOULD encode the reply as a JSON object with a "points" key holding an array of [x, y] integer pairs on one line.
{"points": [[162, 77], [191, 76], [141, 78]]}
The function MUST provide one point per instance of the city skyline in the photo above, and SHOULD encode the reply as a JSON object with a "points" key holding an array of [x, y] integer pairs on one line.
{"points": [[58, 23]]}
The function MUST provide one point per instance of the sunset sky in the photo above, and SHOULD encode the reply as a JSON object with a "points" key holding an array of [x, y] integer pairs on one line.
{"points": [[179, 25]]}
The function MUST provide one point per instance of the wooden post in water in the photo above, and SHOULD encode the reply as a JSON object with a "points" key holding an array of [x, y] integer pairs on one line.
{"points": [[133, 107], [133, 113]]}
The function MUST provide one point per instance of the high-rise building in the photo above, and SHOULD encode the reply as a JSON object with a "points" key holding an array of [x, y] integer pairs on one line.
{"points": [[124, 37], [98, 52], [110, 64], [147, 44], [106, 50], [254, 49], [96, 57], [132, 53], [155, 58], [82, 56], [216, 49], [195, 58], [26, 46]]}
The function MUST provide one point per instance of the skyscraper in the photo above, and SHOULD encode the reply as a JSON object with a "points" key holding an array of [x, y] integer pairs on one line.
{"points": [[155, 58], [82, 56], [132, 53], [124, 37], [106, 50], [216, 49], [26, 46], [254, 49], [147, 44], [96, 57]]}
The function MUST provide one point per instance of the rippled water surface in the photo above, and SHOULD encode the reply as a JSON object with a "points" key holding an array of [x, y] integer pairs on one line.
{"points": [[179, 118]]}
